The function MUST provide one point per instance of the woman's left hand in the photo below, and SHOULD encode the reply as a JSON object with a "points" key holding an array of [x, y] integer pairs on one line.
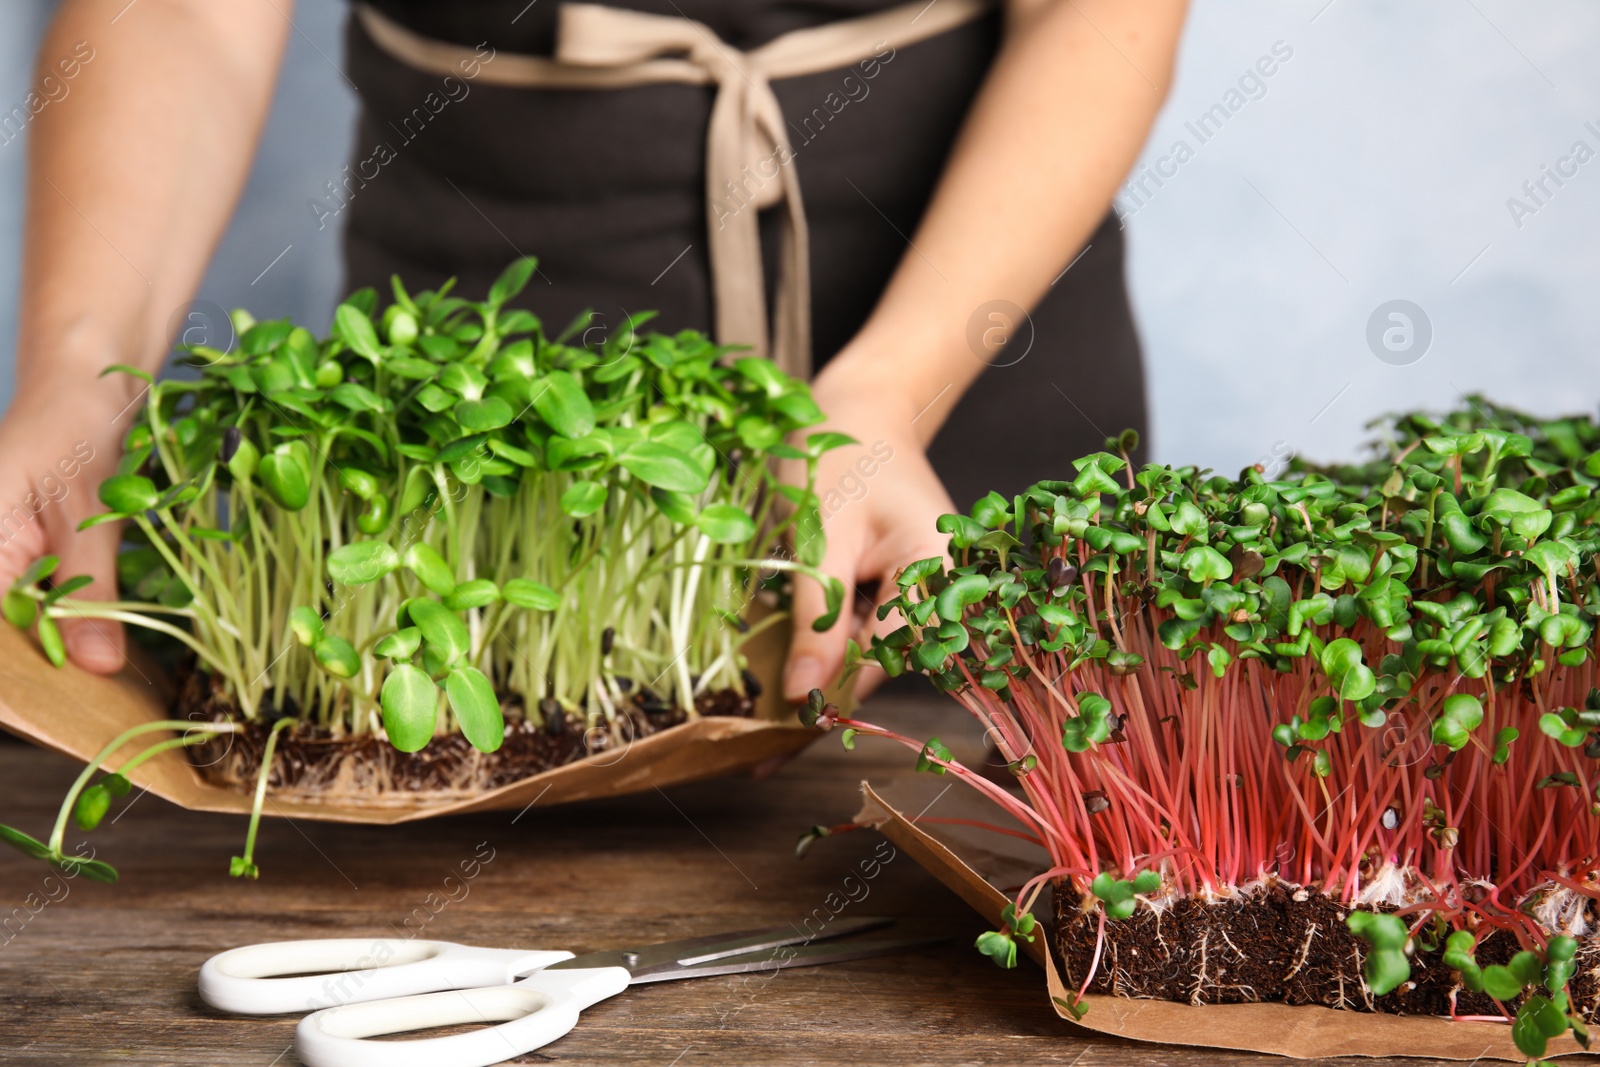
{"points": [[1058, 123], [880, 505]]}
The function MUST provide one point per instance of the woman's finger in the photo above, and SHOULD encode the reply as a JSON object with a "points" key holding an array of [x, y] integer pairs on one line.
{"points": [[95, 645], [816, 658]]}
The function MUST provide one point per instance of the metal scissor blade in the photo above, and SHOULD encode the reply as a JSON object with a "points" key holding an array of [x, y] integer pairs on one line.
{"points": [[672, 955], [784, 956], [778, 936]]}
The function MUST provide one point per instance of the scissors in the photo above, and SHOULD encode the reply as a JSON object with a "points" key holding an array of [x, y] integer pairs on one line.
{"points": [[360, 988]]}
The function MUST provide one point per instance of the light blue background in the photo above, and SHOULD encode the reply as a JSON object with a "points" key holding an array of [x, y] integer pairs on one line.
{"points": [[1376, 166], [1390, 141]]}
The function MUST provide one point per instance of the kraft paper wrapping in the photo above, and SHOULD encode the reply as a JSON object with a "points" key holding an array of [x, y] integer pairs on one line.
{"points": [[1279, 1029], [77, 713]]}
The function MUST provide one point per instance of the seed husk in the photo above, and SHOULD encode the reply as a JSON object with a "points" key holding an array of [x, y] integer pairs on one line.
{"points": [[1061, 572], [555, 719]]}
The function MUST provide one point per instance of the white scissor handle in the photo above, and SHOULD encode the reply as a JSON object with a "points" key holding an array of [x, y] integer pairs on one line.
{"points": [[348, 970], [531, 1013]]}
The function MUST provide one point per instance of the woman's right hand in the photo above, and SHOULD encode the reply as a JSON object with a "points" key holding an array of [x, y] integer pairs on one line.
{"points": [[123, 213], [57, 443]]}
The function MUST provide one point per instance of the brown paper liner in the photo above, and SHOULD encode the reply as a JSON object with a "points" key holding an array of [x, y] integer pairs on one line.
{"points": [[1307, 1032], [77, 713]]}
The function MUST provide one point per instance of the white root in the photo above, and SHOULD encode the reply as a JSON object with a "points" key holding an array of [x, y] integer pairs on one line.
{"points": [[1305, 952], [1200, 975]]}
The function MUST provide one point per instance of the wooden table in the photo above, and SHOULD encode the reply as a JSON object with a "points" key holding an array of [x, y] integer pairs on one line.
{"points": [[106, 974]]}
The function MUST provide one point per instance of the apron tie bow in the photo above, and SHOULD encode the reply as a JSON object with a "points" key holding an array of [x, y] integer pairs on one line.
{"points": [[742, 158]]}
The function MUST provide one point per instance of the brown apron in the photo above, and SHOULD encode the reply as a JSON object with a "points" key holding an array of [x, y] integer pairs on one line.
{"points": [[651, 161]]}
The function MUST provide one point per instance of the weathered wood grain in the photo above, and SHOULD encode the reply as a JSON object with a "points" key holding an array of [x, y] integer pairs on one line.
{"points": [[106, 974]]}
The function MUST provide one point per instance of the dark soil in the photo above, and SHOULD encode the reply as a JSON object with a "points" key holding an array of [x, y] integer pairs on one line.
{"points": [[311, 759], [1284, 943]]}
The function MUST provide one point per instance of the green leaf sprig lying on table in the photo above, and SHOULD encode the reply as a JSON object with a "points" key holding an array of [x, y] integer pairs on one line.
{"points": [[1369, 688], [439, 514]]}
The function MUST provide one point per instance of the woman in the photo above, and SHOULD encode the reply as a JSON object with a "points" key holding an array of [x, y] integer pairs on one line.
{"points": [[956, 164]]}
